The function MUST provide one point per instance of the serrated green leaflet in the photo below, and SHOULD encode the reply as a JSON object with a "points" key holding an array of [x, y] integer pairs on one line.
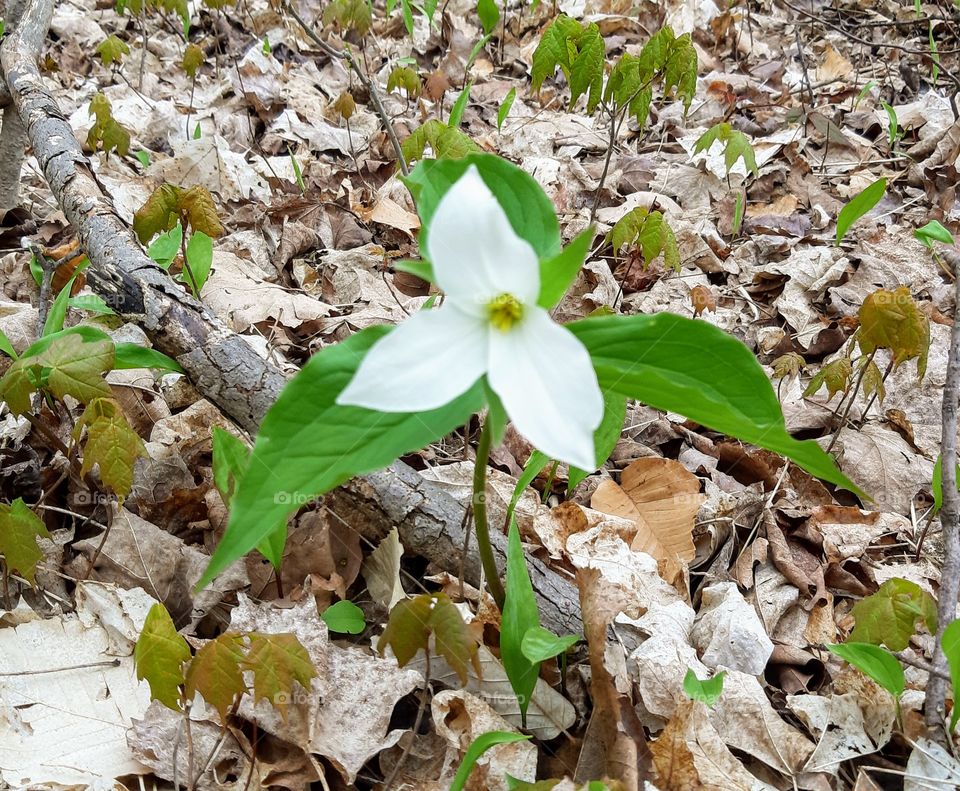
{"points": [[301, 453], [687, 366]]}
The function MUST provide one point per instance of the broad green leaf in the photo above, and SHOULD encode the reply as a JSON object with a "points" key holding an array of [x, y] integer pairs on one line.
{"points": [[422, 269], [558, 273], [111, 50], [132, 355], [489, 15], [539, 644], [459, 106], [231, 457], [18, 384], [504, 110], [477, 748], [648, 230], [111, 444], [531, 470], [835, 375], [736, 146], [91, 303], [77, 367], [143, 157], [200, 259], [192, 60], [19, 529], [526, 205], [344, 617], [166, 246], [159, 656], [892, 320], [6, 346], [557, 44], [216, 672], [932, 232], [302, 453], [447, 142], [951, 650], [682, 365], [876, 662], [889, 617], [411, 623], [404, 78], [859, 206], [277, 661], [936, 483], [586, 67], [707, 691], [519, 617]]}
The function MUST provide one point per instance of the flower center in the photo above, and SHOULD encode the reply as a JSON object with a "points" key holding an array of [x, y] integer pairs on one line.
{"points": [[504, 311]]}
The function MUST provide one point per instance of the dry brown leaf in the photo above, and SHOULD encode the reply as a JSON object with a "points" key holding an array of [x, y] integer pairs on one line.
{"points": [[662, 498], [702, 298]]}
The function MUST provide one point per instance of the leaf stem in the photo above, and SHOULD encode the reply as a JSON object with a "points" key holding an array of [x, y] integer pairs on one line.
{"points": [[481, 526], [853, 397]]}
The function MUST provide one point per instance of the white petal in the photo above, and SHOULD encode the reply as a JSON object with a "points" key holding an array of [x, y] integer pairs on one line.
{"points": [[545, 378], [475, 252], [426, 362]]}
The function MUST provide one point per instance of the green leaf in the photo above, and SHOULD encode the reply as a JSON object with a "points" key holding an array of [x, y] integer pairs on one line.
{"points": [[91, 303], [504, 110], [893, 125], [606, 436], [58, 310], [6, 346], [936, 483], [166, 246], [111, 443], [422, 269], [19, 529], [112, 50], [277, 661], [932, 232], [519, 617], [707, 691], [835, 375], [446, 142], [477, 748], [893, 320], [300, 454], [530, 211], [539, 644], [554, 50], [404, 78], [489, 15], [411, 623], [876, 662], [951, 650], [159, 213], [159, 656], [558, 273], [216, 673], [192, 60], [344, 617], [648, 230], [77, 367], [459, 106], [889, 617], [200, 259], [736, 146], [682, 365], [531, 470], [859, 206], [132, 355]]}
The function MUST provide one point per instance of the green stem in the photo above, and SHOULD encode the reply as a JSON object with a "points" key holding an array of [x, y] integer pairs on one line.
{"points": [[487, 559]]}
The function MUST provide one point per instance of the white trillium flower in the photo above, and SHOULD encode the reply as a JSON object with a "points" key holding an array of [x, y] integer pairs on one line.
{"points": [[489, 324]]}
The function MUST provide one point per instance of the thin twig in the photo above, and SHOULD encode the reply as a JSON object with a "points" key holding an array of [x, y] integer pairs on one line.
{"points": [[346, 56], [949, 513]]}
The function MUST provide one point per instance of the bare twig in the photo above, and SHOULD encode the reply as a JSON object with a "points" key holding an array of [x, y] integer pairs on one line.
{"points": [[347, 57], [949, 513]]}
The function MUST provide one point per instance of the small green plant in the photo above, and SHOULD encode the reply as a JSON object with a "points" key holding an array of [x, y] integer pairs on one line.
{"points": [[346, 15], [111, 50], [504, 110], [707, 691], [476, 749], [736, 145], [858, 206], [894, 131], [667, 62], [166, 214], [406, 79], [106, 132], [191, 63]]}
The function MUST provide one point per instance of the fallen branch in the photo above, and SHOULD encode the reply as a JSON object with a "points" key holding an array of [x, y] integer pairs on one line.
{"points": [[221, 364]]}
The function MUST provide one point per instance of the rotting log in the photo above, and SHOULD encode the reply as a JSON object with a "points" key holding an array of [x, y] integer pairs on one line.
{"points": [[222, 365]]}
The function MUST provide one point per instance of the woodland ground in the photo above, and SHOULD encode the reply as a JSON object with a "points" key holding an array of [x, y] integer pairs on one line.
{"points": [[767, 561]]}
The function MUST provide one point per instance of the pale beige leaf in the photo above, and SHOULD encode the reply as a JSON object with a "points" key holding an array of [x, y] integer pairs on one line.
{"points": [[381, 570]]}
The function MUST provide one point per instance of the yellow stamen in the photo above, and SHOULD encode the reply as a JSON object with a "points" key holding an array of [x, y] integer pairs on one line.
{"points": [[504, 311]]}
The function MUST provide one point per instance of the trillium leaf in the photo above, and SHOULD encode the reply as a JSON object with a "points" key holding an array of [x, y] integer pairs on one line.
{"points": [[687, 366], [558, 273], [876, 662], [606, 436], [159, 656], [526, 205], [19, 529], [520, 616], [300, 454]]}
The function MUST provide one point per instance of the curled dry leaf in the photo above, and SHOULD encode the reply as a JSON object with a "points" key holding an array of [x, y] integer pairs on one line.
{"points": [[702, 299]]}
